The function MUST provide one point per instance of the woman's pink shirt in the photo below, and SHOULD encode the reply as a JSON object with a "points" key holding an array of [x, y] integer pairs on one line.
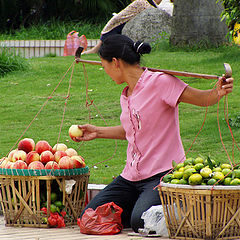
{"points": [[150, 118]]}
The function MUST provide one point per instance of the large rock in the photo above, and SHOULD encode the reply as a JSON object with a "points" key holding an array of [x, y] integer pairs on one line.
{"points": [[198, 22], [149, 25]]}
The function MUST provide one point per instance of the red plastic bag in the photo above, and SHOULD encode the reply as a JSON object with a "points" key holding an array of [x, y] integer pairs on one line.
{"points": [[72, 43], [105, 220]]}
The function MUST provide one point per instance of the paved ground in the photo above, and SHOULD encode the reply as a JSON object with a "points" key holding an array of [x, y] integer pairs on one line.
{"points": [[68, 233]]}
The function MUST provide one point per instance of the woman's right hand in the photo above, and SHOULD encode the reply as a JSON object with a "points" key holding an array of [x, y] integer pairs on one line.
{"points": [[89, 133]]}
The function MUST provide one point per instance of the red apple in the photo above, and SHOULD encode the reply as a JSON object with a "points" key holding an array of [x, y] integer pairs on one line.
{"points": [[59, 147], [19, 164], [46, 156], [52, 165], [75, 131], [42, 146], [71, 152], [3, 162], [66, 163], [10, 155], [9, 165], [19, 155], [32, 156], [36, 165], [58, 155], [78, 162], [26, 144]]}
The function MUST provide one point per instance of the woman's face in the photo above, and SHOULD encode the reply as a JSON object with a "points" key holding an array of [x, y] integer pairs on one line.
{"points": [[112, 69]]}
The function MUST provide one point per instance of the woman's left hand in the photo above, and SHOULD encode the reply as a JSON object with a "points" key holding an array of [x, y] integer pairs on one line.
{"points": [[225, 86]]}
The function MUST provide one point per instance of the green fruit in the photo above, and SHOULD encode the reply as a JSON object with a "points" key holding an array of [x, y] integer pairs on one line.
{"points": [[225, 165], [53, 197], [206, 172], [183, 181], [175, 181], [218, 176], [236, 173], [188, 172], [188, 161], [198, 166], [227, 171], [177, 174], [195, 179], [53, 208], [211, 181], [188, 166], [181, 169], [217, 169], [214, 163], [58, 203], [179, 166], [198, 160], [227, 181], [235, 181], [167, 178]]}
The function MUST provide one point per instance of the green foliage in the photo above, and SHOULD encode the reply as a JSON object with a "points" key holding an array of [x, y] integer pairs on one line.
{"points": [[231, 12], [53, 29], [10, 62], [24, 13]]}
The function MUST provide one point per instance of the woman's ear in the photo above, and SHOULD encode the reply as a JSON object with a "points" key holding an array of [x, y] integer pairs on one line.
{"points": [[116, 63]]}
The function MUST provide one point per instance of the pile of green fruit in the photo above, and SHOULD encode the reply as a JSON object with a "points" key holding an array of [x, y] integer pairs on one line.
{"points": [[200, 171]]}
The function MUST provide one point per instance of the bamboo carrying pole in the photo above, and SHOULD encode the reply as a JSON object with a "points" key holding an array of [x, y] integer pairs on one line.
{"points": [[228, 70]]}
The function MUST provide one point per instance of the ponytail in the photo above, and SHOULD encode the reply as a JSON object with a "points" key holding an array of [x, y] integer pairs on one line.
{"points": [[122, 47]]}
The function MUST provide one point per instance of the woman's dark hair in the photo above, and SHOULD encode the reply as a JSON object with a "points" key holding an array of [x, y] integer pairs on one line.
{"points": [[122, 47]]}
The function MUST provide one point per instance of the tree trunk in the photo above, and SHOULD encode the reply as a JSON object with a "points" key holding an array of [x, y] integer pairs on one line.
{"points": [[198, 22]]}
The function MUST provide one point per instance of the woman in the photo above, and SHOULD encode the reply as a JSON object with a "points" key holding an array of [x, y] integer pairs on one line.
{"points": [[117, 22], [149, 122]]}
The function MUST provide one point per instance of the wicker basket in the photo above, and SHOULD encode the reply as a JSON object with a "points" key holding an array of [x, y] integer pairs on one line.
{"points": [[20, 197], [201, 212]]}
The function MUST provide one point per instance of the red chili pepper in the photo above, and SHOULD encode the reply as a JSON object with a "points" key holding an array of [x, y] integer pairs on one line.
{"points": [[52, 221], [44, 209], [78, 222], [63, 213], [60, 222]]}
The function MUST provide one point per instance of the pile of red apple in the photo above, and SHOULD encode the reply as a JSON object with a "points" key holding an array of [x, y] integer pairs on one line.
{"points": [[41, 155]]}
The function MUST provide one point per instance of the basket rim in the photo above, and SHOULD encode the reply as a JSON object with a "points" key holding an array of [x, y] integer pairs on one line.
{"points": [[199, 187]]}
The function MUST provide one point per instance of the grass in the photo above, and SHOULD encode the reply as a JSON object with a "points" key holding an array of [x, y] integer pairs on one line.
{"points": [[54, 29], [10, 62], [23, 93]]}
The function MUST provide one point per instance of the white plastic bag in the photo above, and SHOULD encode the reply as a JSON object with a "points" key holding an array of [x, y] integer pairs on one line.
{"points": [[154, 221]]}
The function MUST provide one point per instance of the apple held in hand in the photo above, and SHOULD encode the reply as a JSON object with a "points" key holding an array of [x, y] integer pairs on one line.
{"points": [[36, 165], [75, 131], [26, 144], [42, 146]]}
